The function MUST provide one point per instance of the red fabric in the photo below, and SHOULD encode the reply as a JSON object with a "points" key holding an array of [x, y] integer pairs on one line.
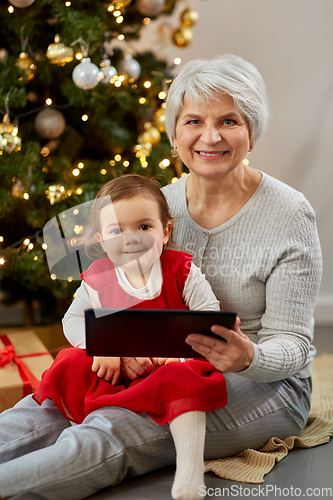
{"points": [[166, 392], [101, 276]]}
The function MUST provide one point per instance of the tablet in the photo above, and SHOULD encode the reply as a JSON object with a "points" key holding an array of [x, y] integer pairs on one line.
{"points": [[149, 332]]}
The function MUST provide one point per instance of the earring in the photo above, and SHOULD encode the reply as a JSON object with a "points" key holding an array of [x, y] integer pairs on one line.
{"points": [[176, 148]]}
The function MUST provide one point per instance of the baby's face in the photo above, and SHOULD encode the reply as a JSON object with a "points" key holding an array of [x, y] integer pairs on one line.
{"points": [[132, 233]]}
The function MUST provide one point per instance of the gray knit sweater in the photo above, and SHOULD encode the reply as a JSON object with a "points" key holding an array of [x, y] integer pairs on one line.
{"points": [[264, 263]]}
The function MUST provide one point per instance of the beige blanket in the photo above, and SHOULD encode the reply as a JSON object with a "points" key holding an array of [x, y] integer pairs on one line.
{"points": [[250, 466]]}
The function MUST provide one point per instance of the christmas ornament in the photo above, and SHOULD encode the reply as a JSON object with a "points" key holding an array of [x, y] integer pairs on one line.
{"points": [[21, 3], [129, 67], [159, 118], [109, 72], [86, 74], [189, 17], [182, 36], [18, 189], [58, 53], [118, 4], [50, 123], [27, 65], [151, 135], [150, 8], [9, 140]]}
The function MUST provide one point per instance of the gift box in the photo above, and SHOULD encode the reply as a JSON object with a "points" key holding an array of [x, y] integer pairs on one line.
{"points": [[23, 359]]}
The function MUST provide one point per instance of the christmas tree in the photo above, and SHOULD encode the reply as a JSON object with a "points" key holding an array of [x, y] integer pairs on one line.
{"points": [[77, 112]]}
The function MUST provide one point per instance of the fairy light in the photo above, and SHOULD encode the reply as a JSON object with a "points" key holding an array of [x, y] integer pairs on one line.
{"points": [[80, 164], [117, 83], [48, 101], [126, 163], [76, 172], [117, 13], [183, 174], [68, 4], [76, 211], [119, 19], [121, 37], [112, 163], [26, 241], [147, 84], [45, 151], [121, 78], [84, 118], [10, 9], [164, 163], [103, 171], [1, 239], [146, 20], [30, 246], [110, 8], [79, 191], [78, 56], [35, 257], [70, 279], [174, 179], [246, 162], [26, 196], [177, 61], [53, 276], [142, 100], [117, 157], [162, 95], [144, 164], [44, 246], [2, 261]]}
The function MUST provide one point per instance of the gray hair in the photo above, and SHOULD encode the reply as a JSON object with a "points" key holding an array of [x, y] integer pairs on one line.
{"points": [[202, 80]]}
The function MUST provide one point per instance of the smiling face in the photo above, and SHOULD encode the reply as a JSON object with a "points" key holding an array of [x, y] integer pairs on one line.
{"points": [[212, 138], [132, 234]]}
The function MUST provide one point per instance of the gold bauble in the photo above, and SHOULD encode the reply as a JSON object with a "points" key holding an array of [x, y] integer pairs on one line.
{"points": [[27, 65], [152, 135], [159, 119], [9, 142], [58, 53], [118, 4], [182, 36], [189, 17]]}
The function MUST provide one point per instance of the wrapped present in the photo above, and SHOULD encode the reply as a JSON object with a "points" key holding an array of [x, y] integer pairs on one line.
{"points": [[23, 359]]}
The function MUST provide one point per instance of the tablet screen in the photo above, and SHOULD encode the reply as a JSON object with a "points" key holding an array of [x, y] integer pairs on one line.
{"points": [[149, 333]]}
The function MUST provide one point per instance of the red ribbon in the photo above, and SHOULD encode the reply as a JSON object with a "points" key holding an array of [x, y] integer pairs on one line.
{"points": [[8, 354]]}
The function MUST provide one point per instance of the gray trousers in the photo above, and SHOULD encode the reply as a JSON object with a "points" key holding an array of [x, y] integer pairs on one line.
{"points": [[43, 457]]}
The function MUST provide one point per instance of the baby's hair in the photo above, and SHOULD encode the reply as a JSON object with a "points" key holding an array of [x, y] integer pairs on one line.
{"points": [[125, 187]]}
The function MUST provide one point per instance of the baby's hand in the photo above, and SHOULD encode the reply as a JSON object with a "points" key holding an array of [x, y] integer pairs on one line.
{"points": [[164, 361], [107, 367]]}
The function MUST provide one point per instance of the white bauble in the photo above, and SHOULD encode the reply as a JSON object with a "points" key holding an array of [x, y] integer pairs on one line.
{"points": [[107, 70], [86, 74], [50, 123], [130, 67], [21, 3], [150, 8]]}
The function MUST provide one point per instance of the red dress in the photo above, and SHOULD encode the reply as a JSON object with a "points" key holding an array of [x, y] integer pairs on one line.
{"points": [[166, 392]]}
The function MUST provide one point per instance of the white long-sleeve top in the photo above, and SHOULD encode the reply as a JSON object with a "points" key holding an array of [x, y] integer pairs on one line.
{"points": [[197, 296], [264, 263]]}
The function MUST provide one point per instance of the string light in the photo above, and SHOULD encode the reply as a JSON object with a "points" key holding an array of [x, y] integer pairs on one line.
{"points": [[119, 19], [177, 60], [147, 84], [1, 239], [174, 179], [117, 157], [2, 261], [126, 163], [121, 37], [10, 9], [80, 164], [68, 4], [103, 171], [48, 101], [76, 172], [78, 56], [26, 196], [84, 118], [162, 95], [142, 100], [146, 20]]}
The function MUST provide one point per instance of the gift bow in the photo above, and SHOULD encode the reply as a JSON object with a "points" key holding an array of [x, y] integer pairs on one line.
{"points": [[8, 354]]}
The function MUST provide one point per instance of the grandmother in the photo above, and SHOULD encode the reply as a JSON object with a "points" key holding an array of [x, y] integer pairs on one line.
{"points": [[256, 240]]}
